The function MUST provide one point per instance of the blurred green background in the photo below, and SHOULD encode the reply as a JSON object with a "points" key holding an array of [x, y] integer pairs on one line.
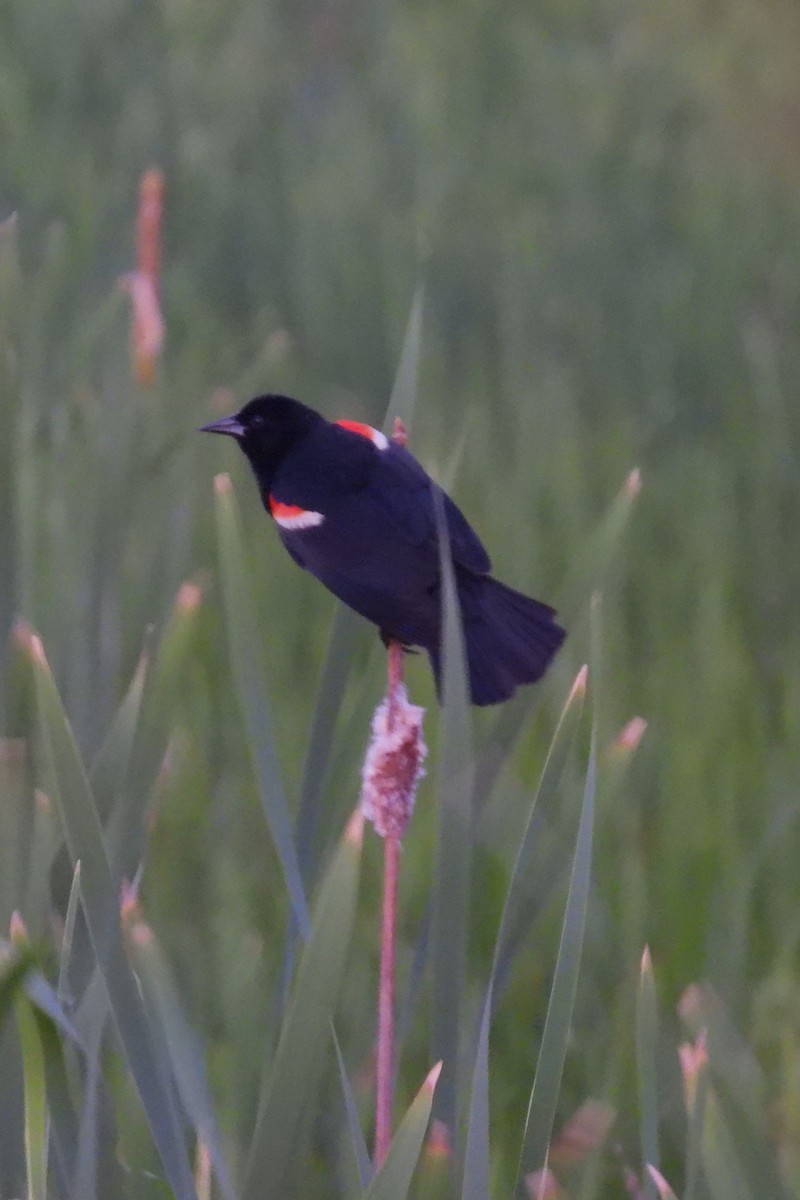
{"points": [[602, 203]]}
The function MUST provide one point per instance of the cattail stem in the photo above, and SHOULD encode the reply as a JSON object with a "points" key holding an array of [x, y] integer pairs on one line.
{"points": [[395, 673], [384, 1084], [384, 1075]]}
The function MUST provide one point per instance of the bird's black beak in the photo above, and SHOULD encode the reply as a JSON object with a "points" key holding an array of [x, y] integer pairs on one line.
{"points": [[230, 425]]}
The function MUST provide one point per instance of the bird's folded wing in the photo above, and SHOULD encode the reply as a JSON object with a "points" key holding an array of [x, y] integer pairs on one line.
{"points": [[404, 491]]}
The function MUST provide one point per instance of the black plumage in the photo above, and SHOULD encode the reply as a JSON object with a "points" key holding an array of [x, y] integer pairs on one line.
{"points": [[358, 512]]}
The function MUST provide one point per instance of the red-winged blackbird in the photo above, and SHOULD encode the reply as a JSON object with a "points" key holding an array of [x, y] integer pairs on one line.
{"points": [[357, 511]]}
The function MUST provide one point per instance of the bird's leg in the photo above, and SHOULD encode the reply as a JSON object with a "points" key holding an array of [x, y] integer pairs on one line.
{"points": [[389, 640]]}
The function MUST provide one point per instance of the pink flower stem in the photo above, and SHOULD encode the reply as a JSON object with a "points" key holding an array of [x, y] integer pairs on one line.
{"points": [[384, 1083], [385, 1065]]}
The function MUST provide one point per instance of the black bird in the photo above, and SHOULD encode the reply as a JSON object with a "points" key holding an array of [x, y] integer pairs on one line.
{"points": [[357, 511]]}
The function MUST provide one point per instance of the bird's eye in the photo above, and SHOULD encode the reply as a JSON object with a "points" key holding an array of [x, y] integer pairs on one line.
{"points": [[257, 421]]}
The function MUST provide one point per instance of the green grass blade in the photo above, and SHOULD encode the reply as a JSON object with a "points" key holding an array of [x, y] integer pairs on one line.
{"points": [[84, 838], [93, 1010], [63, 1120], [15, 965], [497, 746], [646, 1046], [393, 1180], [65, 953], [476, 1147], [127, 765], [403, 400], [476, 1154], [454, 833], [96, 1150], [694, 1136], [243, 639], [181, 1042], [119, 802], [110, 767], [335, 673], [39, 991], [416, 975], [549, 1069], [11, 292], [294, 1073], [724, 1170], [735, 1095], [15, 825], [45, 843], [360, 1151], [522, 888], [33, 1073], [590, 567], [754, 1148]]}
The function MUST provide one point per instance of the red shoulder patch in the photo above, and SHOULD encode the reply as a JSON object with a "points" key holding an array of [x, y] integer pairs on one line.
{"points": [[278, 509], [366, 431], [291, 516], [356, 427]]}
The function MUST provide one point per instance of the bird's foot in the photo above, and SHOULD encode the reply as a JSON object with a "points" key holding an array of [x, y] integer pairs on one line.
{"points": [[387, 638]]}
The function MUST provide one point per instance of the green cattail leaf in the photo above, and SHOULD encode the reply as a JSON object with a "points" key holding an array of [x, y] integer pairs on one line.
{"points": [[65, 955], [33, 1074], [15, 966], [592, 563], [10, 272], [243, 636], [84, 838], [127, 764], [46, 1000], [97, 1156], [291, 1078], [182, 1043], [733, 1144], [345, 630], [646, 1045], [112, 761], [553, 1050], [454, 834], [393, 1180], [45, 842], [403, 400], [694, 1136], [734, 1102], [61, 1111], [11, 292], [16, 825], [588, 573], [523, 894], [476, 1154], [120, 804], [360, 1151], [476, 1148], [724, 1170]]}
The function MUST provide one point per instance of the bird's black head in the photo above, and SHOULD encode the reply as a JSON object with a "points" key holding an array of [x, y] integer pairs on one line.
{"points": [[266, 429]]}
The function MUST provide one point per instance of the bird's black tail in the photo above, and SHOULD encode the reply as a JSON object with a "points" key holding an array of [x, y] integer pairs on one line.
{"points": [[510, 638]]}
